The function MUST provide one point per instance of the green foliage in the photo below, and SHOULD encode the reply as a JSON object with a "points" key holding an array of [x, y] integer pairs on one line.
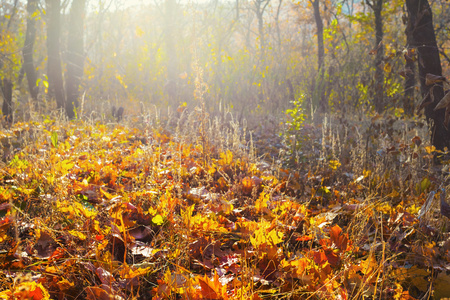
{"points": [[296, 119], [296, 114], [54, 139], [18, 163]]}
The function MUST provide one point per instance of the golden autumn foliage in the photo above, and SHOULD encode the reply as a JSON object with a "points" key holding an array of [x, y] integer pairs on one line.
{"points": [[101, 211]]}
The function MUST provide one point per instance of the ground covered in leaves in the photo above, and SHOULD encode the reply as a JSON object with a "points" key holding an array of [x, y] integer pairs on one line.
{"points": [[94, 211]]}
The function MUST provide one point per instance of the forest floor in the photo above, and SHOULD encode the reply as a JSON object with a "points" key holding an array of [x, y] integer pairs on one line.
{"points": [[342, 209]]}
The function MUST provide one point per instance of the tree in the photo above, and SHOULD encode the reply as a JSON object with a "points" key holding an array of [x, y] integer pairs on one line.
{"points": [[377, 7], [7, 89], [319, 26], [318, 82], [75, 56], [169, 15], [277, 25], [9, 61], [259, 6], [422, 37], [30, 37], [54, 69]]}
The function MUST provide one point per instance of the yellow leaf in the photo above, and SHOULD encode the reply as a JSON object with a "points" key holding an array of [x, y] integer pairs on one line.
{"points": [[64, 166], [334, 164], [65, 285], [430, 149], [369, 265], [78, 234], [106, 194], [275, 237], [261, 202], [262, 237], [139, 31], [158, 220], [226, 158], [414, 274], [136, 273]]}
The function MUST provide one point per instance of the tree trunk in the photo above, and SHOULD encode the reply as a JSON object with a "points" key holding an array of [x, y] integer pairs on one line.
{"points": [[27, 52], [75, 56], [55, 79], [319, 26], [277, 24], [377, 7], [169, 15], [259, 17], [7, 88], [13, 13], [319, 84], [420, 28], [259, 8]]}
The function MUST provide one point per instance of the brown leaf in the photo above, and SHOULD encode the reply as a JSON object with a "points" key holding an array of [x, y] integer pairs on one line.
{"points": [[338, 238], [45, 245], [98, 293], [104, 276], [431, 79], [405, 72], [445, 101], [417, 140], [426, 206], [4, 206], [425, 102], [375, 51], [333, 259]]}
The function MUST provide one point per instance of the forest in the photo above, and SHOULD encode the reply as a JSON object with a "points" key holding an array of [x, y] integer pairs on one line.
{"points": [[224, 149]]}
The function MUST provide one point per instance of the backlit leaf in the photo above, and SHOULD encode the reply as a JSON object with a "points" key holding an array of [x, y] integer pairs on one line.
{"points": [[78, 234], [54, 138], [158, 220]]}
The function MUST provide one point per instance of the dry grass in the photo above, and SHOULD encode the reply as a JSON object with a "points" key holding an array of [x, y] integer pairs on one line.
{"points": [[368, 176]]}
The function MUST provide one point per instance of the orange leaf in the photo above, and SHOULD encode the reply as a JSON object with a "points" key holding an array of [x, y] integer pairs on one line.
{"points": [[207, 291], [247, 185], [339, 239], [94, 293], [369, 265], [304, 238], [31, 290], [333, 259], [212, 288]]}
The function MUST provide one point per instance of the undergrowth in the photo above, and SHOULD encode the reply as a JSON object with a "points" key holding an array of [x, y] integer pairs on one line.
{"points": [[210, 208]]}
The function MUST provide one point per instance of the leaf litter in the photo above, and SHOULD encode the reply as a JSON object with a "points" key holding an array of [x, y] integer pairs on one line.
{"points": [[100, 212]]}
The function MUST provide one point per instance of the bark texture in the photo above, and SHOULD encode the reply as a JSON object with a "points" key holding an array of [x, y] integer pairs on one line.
{"points": [[7, 88], [30, 37], [169, 16], [377, 8], [319, 84], [54, 69], [423, 38], [319, 26], [75, 56]]}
